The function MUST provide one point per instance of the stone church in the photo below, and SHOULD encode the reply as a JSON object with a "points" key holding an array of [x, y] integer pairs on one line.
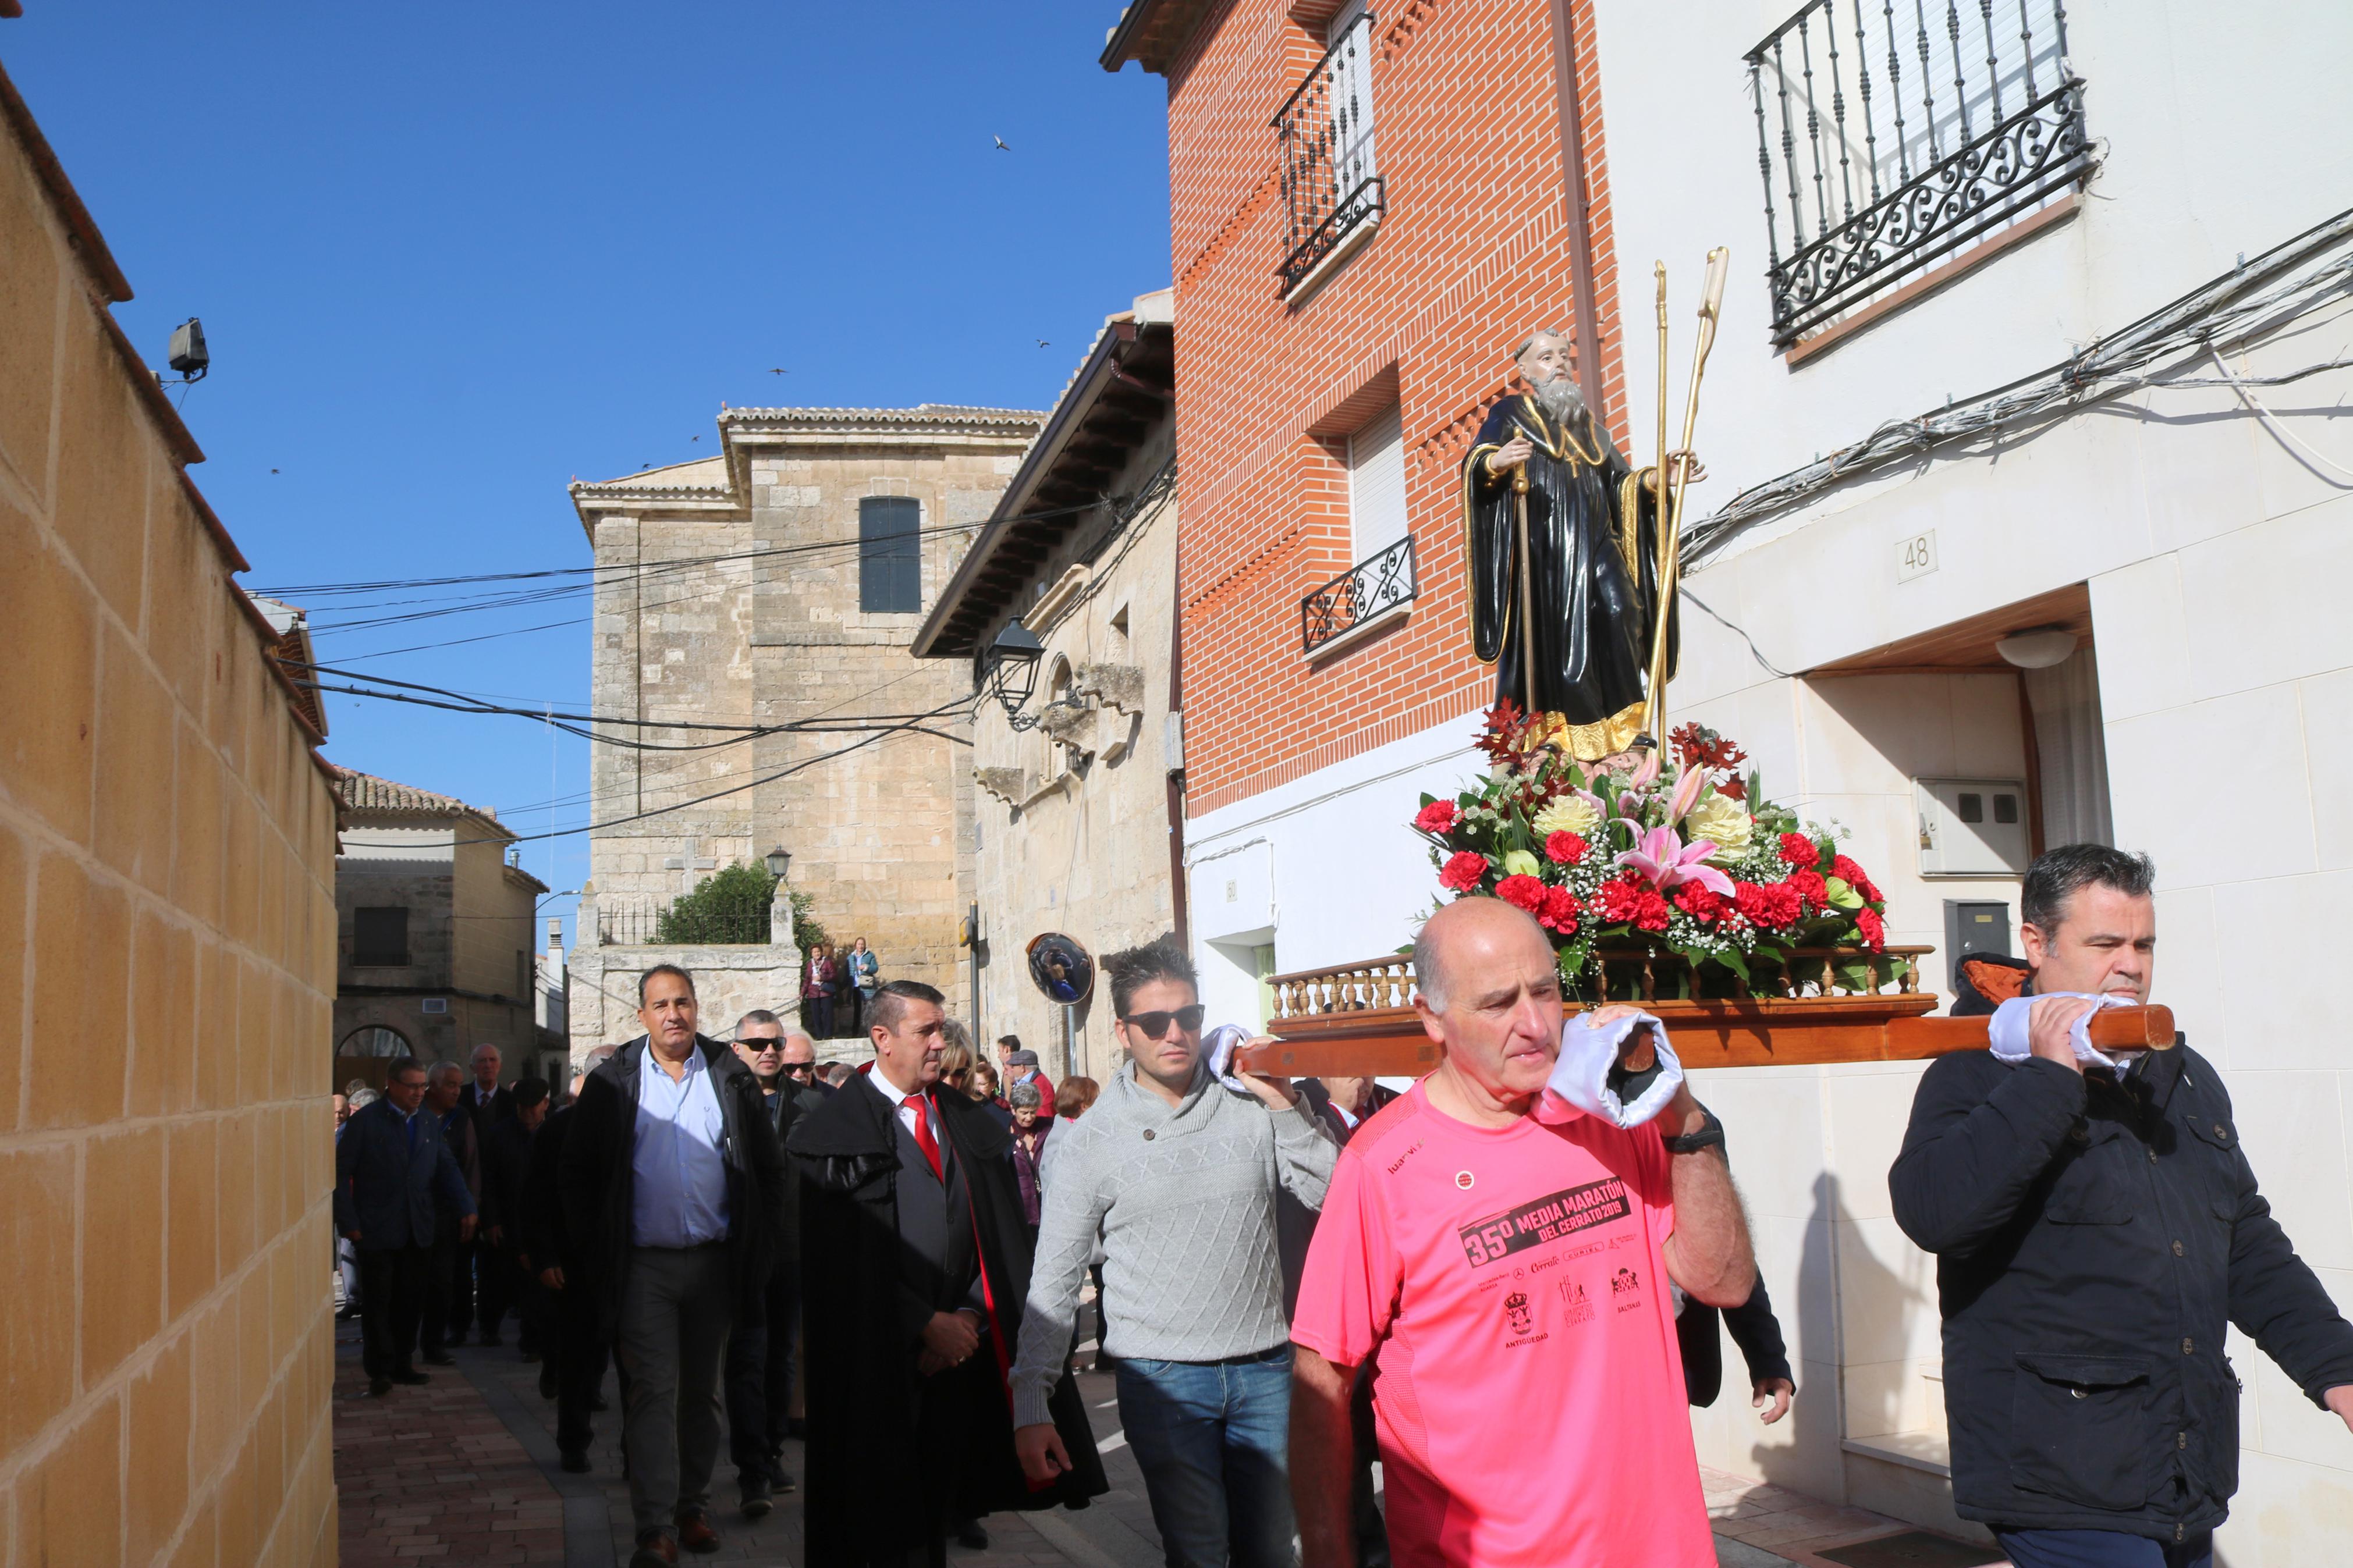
{"points": [[753, 612]]}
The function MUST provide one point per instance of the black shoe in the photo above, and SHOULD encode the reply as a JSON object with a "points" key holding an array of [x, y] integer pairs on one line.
{"points": [[411, 1376], [575, 1462], [378, 1387], [438, 1358], [971, 1536], [782, 1482], [547, 1380], [758, 1493]]}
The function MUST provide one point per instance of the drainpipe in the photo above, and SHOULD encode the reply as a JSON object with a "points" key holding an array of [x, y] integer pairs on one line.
{"points": [[1588, 324]]}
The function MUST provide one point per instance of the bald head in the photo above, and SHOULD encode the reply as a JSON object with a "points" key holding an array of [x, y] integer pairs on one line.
{"points": [[1489, 991], [1469, 937]]}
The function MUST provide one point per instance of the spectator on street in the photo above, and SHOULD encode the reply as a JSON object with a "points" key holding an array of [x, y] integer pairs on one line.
{"points": [[2097, 1229], [955, 1063], [1029, 1131], [983, 1090], [1512, 1272], [483, 1099], [836, 1075], [916, 1265], [799, 1064], [1021, 1067], [395, 1177], [450, 1294], [760, 1351], [502, 1261], [845, 997], [817, 992], [358, 1097], [1344, 1103], [865, 973], [1073, 1096], [343, 1112], [674, 1196], [573, 1360], [1177, 1174]]}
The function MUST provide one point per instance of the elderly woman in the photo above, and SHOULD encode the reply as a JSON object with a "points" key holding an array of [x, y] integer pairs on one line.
{"points": [[1030, 1131], [817, 992]]}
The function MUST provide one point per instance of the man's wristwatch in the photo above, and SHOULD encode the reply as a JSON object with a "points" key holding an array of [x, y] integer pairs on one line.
{"points": [[1693, 1142]]}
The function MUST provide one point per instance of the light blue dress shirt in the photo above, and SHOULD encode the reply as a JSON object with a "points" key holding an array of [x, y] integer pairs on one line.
{"points": [[677, 1191]]}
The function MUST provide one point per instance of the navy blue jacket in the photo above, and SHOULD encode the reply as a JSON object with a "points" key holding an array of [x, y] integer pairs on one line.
{"points": [[385, 1188]]}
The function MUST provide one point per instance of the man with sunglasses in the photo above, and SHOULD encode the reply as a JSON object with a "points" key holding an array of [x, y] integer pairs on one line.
{"points": [[800, 1070], [760, 1351], [1178, 1173]]}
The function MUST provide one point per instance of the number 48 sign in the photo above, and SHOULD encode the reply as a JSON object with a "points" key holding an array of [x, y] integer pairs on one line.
{"points": [[1916, 555]]}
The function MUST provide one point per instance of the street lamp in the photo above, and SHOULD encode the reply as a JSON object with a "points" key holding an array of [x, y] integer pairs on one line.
{"points": [[777, 860], [1012, 667]]}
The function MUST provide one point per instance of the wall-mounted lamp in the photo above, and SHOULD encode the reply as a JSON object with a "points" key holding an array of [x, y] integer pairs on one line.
{"points": [[1011, 671]]}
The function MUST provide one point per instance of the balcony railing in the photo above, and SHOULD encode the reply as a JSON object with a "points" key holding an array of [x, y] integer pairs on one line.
{"points": [[724, 920], [1358, 597], [1331, 189], [1897, 133]]}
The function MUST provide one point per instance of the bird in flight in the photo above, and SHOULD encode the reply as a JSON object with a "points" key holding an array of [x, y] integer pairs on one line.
{"points": [[1000, 144], [273, 470], [1044, 345], [695, 437], [773, 372]]}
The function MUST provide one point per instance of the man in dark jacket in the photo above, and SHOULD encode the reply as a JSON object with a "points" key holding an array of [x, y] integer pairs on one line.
{"points": [[500, 1253], [392, 1173], [481, 1289], [675, 1194], [760, 1352], [915, 1265], [2095, 1231], [573, 1355]]}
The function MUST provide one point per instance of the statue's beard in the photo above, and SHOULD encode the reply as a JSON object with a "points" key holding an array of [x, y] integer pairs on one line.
{"points": [[1560, 399]]}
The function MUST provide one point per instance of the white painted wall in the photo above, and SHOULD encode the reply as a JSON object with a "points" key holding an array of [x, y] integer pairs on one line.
{"points": [[2215, 557]]}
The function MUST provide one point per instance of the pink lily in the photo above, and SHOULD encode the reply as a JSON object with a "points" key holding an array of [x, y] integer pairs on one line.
{"points": [[1667, 861], [1686, 795], [1647, 772]]}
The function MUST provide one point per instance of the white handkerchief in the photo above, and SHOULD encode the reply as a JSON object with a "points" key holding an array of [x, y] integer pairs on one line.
{"points": [[1588, 1052], [1217, 1047], [2006, 1031]]}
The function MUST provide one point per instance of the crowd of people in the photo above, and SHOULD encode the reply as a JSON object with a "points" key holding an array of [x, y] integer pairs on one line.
{"points": [[1508, 1303]]}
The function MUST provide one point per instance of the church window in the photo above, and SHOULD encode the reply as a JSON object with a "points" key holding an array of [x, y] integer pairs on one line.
{"points": [[889, 558]]}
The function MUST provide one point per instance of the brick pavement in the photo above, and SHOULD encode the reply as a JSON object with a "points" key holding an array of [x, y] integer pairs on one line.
{"points": [[464, 1472]]}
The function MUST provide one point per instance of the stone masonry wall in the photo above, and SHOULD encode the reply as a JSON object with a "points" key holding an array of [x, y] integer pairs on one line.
{"points": [[167, 912]]}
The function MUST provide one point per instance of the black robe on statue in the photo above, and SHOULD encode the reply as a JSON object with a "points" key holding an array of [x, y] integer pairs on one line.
{"points": [[891, 1452], [1593, 530]]}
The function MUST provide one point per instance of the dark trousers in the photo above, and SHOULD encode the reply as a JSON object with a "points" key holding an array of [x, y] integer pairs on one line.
{"points": [[480, 1288], [760, 1374], [581, 1353], [2101, 1549], [391, 1286], [528, 1300], [441, 1269], [816, 1016]]}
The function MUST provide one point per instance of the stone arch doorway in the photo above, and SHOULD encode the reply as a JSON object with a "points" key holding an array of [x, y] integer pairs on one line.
{"points": [[365, 1053]]}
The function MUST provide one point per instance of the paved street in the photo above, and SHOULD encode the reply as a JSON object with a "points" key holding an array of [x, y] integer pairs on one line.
{"points": [[464, 1471]]}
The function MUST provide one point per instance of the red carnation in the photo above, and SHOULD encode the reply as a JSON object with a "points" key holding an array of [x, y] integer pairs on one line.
{"points": [[1699, 904], [1808, 888], [1522, 893], [1797, 849], [1620, 900], [1770, 906], [1873, 929], [1559, 910], [1855, 877], [1438, 817], [1463, 871], [1565, 847], [1650, 912]]}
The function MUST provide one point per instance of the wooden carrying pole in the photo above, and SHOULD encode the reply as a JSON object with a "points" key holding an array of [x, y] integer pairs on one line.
{"points": [[1527, 594], [1670, 507], [1391, 1043]]}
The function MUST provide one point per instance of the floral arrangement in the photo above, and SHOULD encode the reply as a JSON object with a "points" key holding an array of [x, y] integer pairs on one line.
{"points": [[1689, 858]]}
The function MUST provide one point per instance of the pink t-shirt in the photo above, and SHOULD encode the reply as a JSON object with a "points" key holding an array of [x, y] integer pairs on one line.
{"points": [[1529, 1395]]}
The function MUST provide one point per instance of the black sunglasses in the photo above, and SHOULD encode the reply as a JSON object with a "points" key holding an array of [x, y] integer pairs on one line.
{"points": [[1156, 1025], [800, 1066], [759, 1046]]}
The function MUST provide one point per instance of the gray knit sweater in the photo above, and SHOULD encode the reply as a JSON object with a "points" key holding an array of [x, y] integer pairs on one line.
{"points": [[1184, 1200]]}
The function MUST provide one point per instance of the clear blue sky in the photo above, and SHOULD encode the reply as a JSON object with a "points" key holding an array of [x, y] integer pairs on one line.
{"points": [[449, 256]]}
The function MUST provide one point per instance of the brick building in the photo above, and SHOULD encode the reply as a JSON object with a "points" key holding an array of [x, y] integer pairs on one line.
{"points": [[167, 907], [1349, 282], [777, 584]]}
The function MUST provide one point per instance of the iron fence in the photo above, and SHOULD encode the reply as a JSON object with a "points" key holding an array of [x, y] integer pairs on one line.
{"points": [[1372, 586], [1331, 185], [692, 920], [1898, 132]]}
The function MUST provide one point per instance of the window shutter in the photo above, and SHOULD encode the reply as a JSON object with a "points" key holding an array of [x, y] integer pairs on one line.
{"points": [[1377, 483], [890, 557]]}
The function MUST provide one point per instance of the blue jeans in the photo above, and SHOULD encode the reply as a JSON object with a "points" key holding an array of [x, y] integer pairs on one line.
{"points": [[2101, 1549], [1212, 1439]]}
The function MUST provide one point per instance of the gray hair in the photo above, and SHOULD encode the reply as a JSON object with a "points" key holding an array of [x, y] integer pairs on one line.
{"points": [[2057, 875], [1426, 969], [361, 1099], [1528, 341], [434, 1072], [1024, 1093], [757, 1015]]}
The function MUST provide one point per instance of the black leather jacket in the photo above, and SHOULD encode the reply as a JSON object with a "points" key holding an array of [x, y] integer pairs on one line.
{"points": [[2093, 1238]]}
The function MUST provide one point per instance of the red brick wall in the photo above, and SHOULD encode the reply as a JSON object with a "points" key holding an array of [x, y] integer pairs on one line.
{"points": [[1474, 249]]}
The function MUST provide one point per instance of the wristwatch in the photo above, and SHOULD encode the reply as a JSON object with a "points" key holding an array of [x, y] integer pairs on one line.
{"points": [[1693, 1142]]}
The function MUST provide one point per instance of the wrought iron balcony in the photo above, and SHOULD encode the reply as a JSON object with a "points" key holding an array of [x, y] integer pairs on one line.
{"points": [[1332, 192], [1357, 597], [1917, 130]]}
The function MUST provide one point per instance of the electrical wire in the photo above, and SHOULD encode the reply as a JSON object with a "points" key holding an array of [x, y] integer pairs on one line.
{"points": [[2271, 421], [2251, 302]]}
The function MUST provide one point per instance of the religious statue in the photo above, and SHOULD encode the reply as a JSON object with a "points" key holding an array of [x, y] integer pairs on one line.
{"points": [[1589, 611]]}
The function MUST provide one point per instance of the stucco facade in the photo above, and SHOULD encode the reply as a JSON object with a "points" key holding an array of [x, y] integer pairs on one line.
{"points": [[734, 591], [167, 839]]}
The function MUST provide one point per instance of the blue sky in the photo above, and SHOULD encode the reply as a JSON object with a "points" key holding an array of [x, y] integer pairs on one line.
{"points": [[449, 255]]}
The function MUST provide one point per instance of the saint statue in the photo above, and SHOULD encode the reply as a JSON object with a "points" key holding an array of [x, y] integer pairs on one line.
{"points": [[1592, 543]]}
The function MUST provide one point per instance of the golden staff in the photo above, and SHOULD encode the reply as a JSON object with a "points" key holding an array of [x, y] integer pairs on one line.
{"points": [[1660, 268], [1670, 537]]}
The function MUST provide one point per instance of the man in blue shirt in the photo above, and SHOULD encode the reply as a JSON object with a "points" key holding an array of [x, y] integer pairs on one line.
{"points": [[674, 1192], [393, 1172]]}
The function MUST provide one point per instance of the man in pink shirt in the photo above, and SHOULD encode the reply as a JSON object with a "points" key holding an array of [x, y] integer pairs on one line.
{"points": [[1508, 1258]]}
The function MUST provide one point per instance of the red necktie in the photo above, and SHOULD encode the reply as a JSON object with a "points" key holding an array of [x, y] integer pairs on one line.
{"points": [[924, 1137]]}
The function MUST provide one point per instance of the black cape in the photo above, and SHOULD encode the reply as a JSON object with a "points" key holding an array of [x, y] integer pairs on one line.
{"points": [[864, 1392], [1594, 534]]}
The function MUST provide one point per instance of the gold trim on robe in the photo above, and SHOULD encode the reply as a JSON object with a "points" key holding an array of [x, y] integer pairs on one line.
{"points": [[1591, 743]]}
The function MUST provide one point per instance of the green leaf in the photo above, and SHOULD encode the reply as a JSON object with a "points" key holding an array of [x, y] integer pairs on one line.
{"points": [[1841, 895]]}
